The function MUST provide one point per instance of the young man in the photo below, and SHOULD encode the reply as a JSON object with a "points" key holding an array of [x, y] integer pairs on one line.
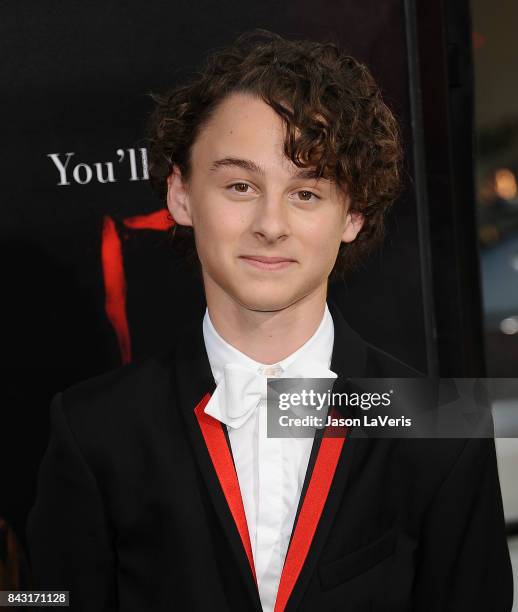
{"points": [[160, 489]]}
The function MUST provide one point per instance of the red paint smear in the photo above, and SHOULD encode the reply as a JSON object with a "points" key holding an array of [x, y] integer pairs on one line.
{"points": [[160, 220], [479, 40], [115, 286]]}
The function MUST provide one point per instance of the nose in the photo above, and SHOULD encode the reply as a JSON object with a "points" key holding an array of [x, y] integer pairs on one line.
{"points": [[270, 221]]}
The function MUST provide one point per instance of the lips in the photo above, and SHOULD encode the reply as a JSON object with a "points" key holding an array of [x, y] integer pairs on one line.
{"points": [[270, 260], [259, 262]]}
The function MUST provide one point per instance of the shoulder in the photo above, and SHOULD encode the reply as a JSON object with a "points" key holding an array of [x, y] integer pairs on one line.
{"points": [[101, 410], [357, 356], [381, 364], [117, 385]]}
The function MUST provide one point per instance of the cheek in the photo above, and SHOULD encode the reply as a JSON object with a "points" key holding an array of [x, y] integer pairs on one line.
{"points": [[218, 234], [225, 230], [324, 240]]}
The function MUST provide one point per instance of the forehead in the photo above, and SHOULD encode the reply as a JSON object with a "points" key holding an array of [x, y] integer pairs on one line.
{"points": [[243, 126]]}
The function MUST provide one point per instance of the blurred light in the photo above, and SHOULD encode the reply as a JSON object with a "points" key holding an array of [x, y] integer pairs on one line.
{"points": [[505, 184], [488, 234], [514, 262], [509, 326]]}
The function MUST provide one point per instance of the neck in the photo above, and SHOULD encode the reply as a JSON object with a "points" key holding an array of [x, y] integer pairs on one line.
{"points": [[266, 336]]}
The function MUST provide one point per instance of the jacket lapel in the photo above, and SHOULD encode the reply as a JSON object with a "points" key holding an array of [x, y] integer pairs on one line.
{"points": [[309, 516], [221, 458], [195, 384]]}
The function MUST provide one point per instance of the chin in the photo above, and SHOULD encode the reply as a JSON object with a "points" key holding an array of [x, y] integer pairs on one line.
{"points": [[264, 303], [267, 301]]}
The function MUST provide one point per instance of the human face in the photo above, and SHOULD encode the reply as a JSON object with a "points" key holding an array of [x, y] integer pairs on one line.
{"points": [[245, 199]]}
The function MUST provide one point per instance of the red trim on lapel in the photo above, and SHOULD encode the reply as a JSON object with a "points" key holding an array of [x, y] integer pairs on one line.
{"points": [[310, 513], [219, 452]]}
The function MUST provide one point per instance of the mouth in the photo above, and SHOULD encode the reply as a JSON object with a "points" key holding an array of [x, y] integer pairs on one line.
{"points": [[267, 263]]}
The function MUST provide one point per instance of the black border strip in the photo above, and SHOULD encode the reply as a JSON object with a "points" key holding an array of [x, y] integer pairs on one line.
{"points": [[420, 187]]}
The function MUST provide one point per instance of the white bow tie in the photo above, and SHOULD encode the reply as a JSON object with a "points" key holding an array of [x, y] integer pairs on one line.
{"points": [[241, 389]]}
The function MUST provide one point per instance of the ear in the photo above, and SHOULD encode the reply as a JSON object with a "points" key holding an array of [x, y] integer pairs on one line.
{"points": [[178, 198], [353, 224]]}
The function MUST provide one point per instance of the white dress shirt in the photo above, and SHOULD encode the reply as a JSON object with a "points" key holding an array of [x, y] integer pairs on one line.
{"points": [[270, 471]]}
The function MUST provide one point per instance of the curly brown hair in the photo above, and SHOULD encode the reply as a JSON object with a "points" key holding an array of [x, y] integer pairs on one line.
{"points": [[336, 122]]}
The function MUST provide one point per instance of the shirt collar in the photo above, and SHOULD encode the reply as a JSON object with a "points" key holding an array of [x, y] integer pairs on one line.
{"points": [[317, 348]]}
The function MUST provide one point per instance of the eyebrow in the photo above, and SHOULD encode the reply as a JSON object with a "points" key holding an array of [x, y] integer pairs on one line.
{"points": [[247, 164]]}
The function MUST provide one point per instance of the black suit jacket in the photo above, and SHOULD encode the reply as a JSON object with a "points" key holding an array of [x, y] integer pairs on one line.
{"points": [[131, 515]]}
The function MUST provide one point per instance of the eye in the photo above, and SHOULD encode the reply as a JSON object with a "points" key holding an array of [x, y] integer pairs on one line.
{"points": [[239, 187], [306, 196]]}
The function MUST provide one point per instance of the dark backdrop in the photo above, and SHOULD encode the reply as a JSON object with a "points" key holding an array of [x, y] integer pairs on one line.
{"points": [[75, 81]]}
